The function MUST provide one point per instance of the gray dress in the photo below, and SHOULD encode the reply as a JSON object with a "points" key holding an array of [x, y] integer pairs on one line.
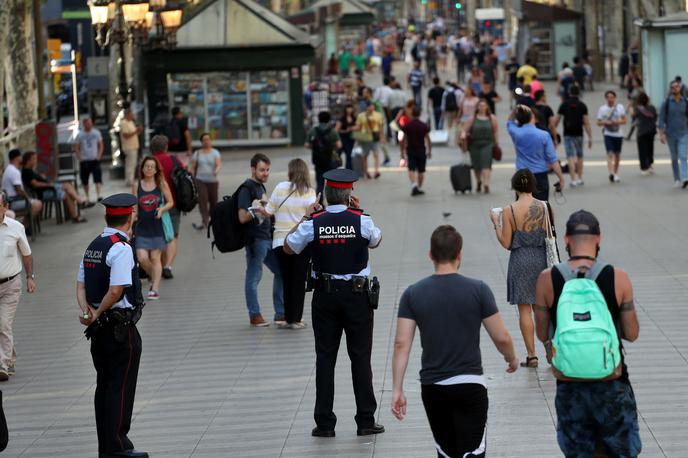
{"points": [[528, 258]]}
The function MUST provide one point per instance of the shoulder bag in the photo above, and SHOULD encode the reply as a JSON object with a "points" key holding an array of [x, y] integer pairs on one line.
{"points": [[551, 247], [167, 227]]}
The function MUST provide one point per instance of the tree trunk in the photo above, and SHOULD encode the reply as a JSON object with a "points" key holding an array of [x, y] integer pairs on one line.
{"points": [[3, 50], [20, 72]]}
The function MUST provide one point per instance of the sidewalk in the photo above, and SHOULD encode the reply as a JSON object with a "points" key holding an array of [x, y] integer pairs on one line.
{"points": [[211, 386]]}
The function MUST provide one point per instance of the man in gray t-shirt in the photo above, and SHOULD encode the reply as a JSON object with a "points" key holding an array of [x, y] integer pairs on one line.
{"points": [[89, 151], [449, 310]]}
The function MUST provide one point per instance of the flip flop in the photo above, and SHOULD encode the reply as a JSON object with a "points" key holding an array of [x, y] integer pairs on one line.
{"points": [[531, 361]]}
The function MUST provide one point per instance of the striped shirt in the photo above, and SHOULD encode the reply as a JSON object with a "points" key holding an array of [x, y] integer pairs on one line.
{"points": [[287, 209], [416, 77]]}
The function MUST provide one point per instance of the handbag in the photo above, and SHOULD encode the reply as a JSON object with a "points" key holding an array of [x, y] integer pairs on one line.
{"points": [[551, 247], [167, 227], [496, 153], [362, 136]]}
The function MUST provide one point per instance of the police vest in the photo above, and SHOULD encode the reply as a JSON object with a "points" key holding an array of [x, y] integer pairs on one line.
{"points": [[338, 248], [97, 272]]}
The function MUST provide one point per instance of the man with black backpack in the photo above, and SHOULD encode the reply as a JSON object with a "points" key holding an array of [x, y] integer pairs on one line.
{"points": [[583, 309], [673, 130], [324, 143], [170, 164]]}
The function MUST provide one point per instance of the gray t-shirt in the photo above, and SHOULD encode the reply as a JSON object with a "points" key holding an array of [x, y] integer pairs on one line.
{"points": [[205, 164], [448, 310], [88, 144]]}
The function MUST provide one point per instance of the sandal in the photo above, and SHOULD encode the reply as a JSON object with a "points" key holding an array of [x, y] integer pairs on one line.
{"points": [[531, 361], [79, 219]]}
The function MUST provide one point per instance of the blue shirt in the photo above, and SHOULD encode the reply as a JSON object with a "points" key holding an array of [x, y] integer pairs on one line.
{"points": [[299, 239], [676, 124], [534, 147]]}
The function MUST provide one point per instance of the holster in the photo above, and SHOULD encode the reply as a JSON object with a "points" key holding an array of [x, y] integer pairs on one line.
{"points": [[119, 319], [374, 293]]}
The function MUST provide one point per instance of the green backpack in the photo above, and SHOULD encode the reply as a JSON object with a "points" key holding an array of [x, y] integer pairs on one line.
{"points": [[585, 344]]}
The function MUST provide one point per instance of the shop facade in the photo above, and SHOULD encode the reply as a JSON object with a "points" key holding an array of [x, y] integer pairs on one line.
{"points": [[236, 74]]}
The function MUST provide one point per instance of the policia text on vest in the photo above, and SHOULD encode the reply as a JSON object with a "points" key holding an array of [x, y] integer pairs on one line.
{"points": [[110, 298]]}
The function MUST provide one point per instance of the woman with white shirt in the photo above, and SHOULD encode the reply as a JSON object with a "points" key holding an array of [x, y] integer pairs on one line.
{"points": [[289, 201], [206, 164]]}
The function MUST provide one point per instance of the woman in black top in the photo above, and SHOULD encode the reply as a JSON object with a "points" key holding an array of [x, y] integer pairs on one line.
{"points": [[345, 125], [154, 199], [42, 188], [646, 121]]}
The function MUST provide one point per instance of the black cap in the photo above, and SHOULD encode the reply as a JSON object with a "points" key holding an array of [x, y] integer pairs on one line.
{"points": [[340, 178], [582, 223], [119, 204]]}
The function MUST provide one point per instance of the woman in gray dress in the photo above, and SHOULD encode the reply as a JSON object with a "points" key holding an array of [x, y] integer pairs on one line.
{"points": [[521, 229]]}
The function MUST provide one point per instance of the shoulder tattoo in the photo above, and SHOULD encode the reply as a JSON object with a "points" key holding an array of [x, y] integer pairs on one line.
{"points": [[627, 306], [535, 218]]}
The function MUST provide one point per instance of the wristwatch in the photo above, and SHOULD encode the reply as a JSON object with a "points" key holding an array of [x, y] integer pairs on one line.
{"points": [[32, 276]]}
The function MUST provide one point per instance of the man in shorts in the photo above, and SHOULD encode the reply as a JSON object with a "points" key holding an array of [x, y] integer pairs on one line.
{"points": [[89, 152], [449, 310], [575, 115], [416, 148], [611, 116], [371, 121], [591, 413]]}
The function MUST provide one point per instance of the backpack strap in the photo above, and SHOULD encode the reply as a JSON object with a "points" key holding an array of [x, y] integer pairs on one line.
{"points": [[592, 273]]}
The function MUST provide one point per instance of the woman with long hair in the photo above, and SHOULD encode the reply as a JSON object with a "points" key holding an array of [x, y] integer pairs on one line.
{"points": [[646, 120], [483, 131], [345, 126], [288, 203], [154, 199], [475, 81], [205, 166], [521, 228]]}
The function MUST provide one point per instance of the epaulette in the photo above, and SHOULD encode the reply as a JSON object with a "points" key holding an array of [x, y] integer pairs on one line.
{"points": [[317, 213], [357, 211]]}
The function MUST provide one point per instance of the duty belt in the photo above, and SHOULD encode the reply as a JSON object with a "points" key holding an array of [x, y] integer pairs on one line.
{"points": [[325, 282]]}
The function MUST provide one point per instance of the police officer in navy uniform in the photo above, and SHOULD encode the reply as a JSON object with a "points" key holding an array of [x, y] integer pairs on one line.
{"points": [[339, 239], [109, 295]]}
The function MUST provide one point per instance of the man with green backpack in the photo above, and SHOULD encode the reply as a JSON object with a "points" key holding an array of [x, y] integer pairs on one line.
{"points": [[584, 308]]}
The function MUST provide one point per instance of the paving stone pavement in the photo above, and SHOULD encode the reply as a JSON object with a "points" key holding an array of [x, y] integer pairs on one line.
{"points": [[211, 386]]}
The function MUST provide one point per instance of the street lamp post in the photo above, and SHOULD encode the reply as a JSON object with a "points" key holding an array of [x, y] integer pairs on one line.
{"points": [[141, 24]]}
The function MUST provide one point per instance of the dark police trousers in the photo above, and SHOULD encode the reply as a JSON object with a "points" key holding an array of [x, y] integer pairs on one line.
{"points": [[334, 312], [117, 366]]}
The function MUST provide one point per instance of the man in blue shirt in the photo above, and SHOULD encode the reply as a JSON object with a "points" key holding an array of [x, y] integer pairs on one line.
{"points": [[534, 149], [673, 129]]}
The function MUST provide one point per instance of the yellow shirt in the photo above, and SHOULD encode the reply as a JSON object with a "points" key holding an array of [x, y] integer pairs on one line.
{"points": [[128, 127], [13, 243], [374, 121], [527, 72]]}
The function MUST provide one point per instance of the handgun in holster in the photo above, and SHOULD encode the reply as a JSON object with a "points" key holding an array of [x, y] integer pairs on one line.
{"points": [[374, 293], [93, 328]]}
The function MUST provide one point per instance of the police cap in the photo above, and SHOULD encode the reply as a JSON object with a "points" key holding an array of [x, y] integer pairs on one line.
{"points": [[340, 178], [119, 204]]}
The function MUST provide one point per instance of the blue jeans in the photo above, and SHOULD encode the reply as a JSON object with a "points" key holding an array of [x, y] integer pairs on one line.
{"points": [[437, 111], [678, 146], [258, 252]]}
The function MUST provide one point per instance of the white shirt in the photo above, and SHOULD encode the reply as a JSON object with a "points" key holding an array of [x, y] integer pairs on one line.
{"points": [[10, 179], [128, 127], [14, 246], [292, 209], [382, 95], [120, 259], [608, 113], [304, 235]]}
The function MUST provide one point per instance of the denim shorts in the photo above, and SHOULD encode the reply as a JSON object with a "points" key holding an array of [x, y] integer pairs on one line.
{"points": [[592, 412], [369, 147], [150, 243], [573, 146], [613, 144]]}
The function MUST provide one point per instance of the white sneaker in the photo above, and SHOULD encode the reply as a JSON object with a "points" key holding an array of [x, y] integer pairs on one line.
{"points": [[573, 184], [644, 172], [617, 179], [677, 184], [580, 183]]}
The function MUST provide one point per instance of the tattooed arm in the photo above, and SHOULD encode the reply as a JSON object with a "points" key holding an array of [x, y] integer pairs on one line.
{"points": [[624, 296]]}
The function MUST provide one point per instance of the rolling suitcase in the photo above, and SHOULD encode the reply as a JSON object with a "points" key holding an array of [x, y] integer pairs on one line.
{"points": [[461, 178]]}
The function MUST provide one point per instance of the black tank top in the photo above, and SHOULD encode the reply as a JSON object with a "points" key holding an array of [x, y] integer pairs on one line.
{"points": [[605, 281], [146, 223]]}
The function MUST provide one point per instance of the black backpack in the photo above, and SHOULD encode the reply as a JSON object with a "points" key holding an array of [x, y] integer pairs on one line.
{"points": [[322, 149], [450, 101], [184, 186], [173, 133], [228, 233]]}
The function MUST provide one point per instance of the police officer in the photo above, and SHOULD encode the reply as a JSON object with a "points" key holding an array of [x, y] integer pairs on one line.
{"points": [[109, 295], [339, 239]]}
